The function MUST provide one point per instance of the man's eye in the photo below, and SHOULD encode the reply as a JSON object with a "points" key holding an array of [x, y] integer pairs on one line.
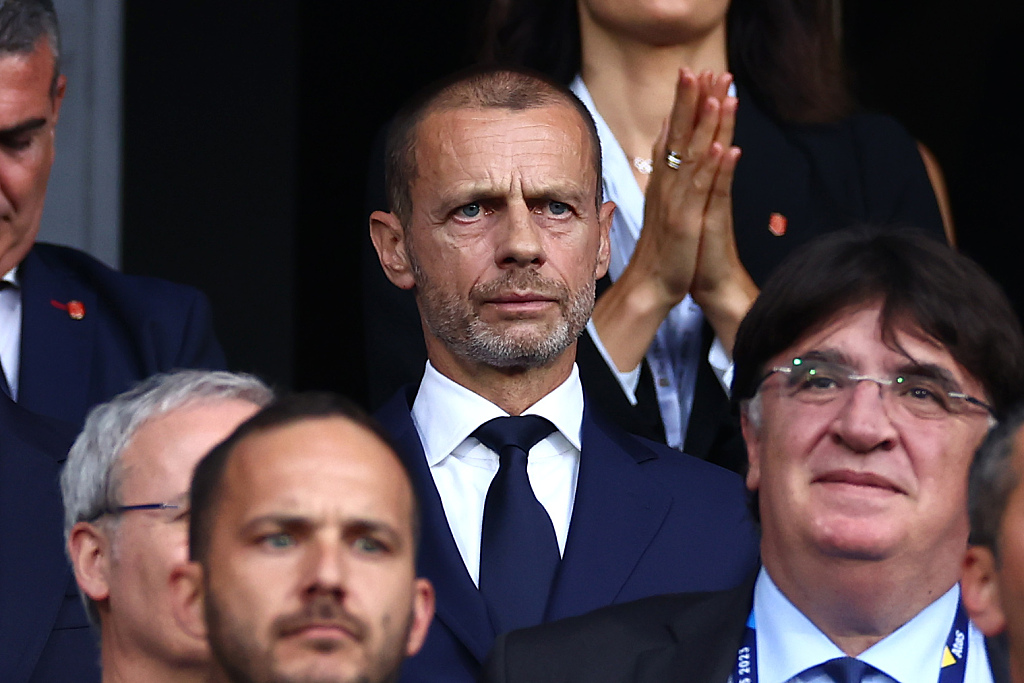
{"points": [[920, 389], [17, 144], [278, 540], [470, 210], [368, 544], [558, 208]]}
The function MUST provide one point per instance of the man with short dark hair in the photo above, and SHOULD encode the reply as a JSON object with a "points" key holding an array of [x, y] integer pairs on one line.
{"points": [[73, 332], [993, 581], [868, 372], [534, 507], [125, 488], [302, 538]]}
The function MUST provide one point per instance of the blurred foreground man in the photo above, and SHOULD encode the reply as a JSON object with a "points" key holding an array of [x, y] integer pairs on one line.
{"points": [[303, 537], [868, 372], [534, 507], [126, 502], [993, 581]]}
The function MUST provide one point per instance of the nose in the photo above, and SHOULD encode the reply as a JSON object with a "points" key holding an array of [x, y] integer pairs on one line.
{"points": [[326, 568], [521, 241], [864, 423]]}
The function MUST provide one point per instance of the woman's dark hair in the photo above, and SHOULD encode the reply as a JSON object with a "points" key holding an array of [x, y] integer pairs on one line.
{"points": [[785, 53]]}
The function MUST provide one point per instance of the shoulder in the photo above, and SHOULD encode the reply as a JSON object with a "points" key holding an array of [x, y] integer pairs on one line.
{"points": [[88, 271], [609, 643]]}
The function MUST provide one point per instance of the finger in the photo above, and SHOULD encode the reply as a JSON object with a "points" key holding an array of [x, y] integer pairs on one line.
{"points": [[727, 122], [720, 86], [699, 189], [719, 211], [705, 130], [684, 114]]}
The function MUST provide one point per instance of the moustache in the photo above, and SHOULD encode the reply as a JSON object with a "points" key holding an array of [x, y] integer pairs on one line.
{"points": [[323, 610], [521, 280]]}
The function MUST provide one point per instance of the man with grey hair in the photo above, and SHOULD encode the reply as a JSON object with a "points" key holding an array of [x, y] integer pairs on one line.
{"points": [[993, 580], [125, 490], [534, 507], [73, 332]]}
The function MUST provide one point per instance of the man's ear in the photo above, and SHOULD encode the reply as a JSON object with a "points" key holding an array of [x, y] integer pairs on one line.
{"points": [[58, 95], [604, 255], [751, 437], [388, 237], [188, 599], [89, 550], [980, 589], [422, 614]]}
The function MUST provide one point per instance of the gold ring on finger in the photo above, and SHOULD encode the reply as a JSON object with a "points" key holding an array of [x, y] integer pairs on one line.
{"points": [[673, 159]]}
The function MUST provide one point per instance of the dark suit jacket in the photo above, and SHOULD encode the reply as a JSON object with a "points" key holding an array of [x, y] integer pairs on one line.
{"points": [[44, 634], [686, 638], [865, 169], [646, 520], [133, 327]]}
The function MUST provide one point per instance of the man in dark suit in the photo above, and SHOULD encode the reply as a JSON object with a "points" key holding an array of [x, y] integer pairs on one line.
{"points": [[499, 229], [868, 371], [993, 581], [44, 634], [73, 332]]}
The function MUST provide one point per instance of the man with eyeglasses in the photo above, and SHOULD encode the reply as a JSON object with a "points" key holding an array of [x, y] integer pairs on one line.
{"points": [[125, 490], [867, 373]]}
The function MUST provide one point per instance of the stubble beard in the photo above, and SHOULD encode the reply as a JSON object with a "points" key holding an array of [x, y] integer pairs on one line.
{"points": [[454, 321], [241, 658]]}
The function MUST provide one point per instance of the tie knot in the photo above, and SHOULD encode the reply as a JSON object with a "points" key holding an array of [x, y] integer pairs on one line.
{"points": [[846, 669], [523, 432]]}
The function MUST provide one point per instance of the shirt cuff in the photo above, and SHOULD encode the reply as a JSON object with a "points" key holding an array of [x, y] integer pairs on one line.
{"points": [[627, 380], [722, 365]]}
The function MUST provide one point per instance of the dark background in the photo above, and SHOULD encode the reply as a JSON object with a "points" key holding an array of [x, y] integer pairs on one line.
{"points": [[248, 130]]}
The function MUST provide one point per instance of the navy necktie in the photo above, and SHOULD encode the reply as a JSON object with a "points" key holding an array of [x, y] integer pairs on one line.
{"points": [[518, 549], [847, 669]]}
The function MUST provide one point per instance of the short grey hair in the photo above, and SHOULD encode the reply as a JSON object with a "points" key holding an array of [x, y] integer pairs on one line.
{"points": [[992, 479], [23, 23], [91, 479]]}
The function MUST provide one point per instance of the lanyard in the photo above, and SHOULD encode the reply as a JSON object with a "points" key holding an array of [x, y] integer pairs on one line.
{"points": [[954, 652]]}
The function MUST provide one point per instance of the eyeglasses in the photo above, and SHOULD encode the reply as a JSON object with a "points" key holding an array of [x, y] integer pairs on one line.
{"points": [[120, 509], [819, 382]]}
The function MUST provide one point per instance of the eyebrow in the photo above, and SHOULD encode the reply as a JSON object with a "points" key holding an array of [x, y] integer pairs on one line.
{"points": [[286, 521], [29, 126]]}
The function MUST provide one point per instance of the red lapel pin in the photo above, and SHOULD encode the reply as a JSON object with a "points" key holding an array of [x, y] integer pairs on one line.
{"points": [[75, 308], [777, 224]]}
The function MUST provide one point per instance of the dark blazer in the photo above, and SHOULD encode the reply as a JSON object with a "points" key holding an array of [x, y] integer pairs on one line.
{"points": [[866, 169], [133, 327], [686, 638], [44, 634], [646, 520]]}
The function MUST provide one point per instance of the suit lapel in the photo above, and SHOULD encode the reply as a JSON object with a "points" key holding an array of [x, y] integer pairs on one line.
{"points": [[55, 348], [707, 632], [459, 604], [616, 514], [33, 571]]}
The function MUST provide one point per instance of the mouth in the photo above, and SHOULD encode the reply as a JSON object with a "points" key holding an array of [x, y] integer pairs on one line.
{"points": [[520, 302], [321, 630], [862, 481]]}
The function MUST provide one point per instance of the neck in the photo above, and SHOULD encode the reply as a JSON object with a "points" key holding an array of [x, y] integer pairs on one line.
{"points": [[131, 670], [633, 83], [511, 389], [125, 659], [854, 602]]}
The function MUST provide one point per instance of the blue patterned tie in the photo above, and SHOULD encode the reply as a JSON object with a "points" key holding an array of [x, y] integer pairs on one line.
{"points": [[847, 669], [518, 550]]}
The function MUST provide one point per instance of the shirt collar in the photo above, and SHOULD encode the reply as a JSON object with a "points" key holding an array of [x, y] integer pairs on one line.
{"points": [[446, 413], [788, 643], [11, 276]]}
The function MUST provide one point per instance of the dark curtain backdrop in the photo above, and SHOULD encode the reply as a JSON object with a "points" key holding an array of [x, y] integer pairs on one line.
{"points": [[248, 130]]}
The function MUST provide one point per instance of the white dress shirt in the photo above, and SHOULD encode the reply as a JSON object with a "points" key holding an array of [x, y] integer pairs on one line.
{"points": [[446, 414], [789, 644], [674, 354], [10, 330]]}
